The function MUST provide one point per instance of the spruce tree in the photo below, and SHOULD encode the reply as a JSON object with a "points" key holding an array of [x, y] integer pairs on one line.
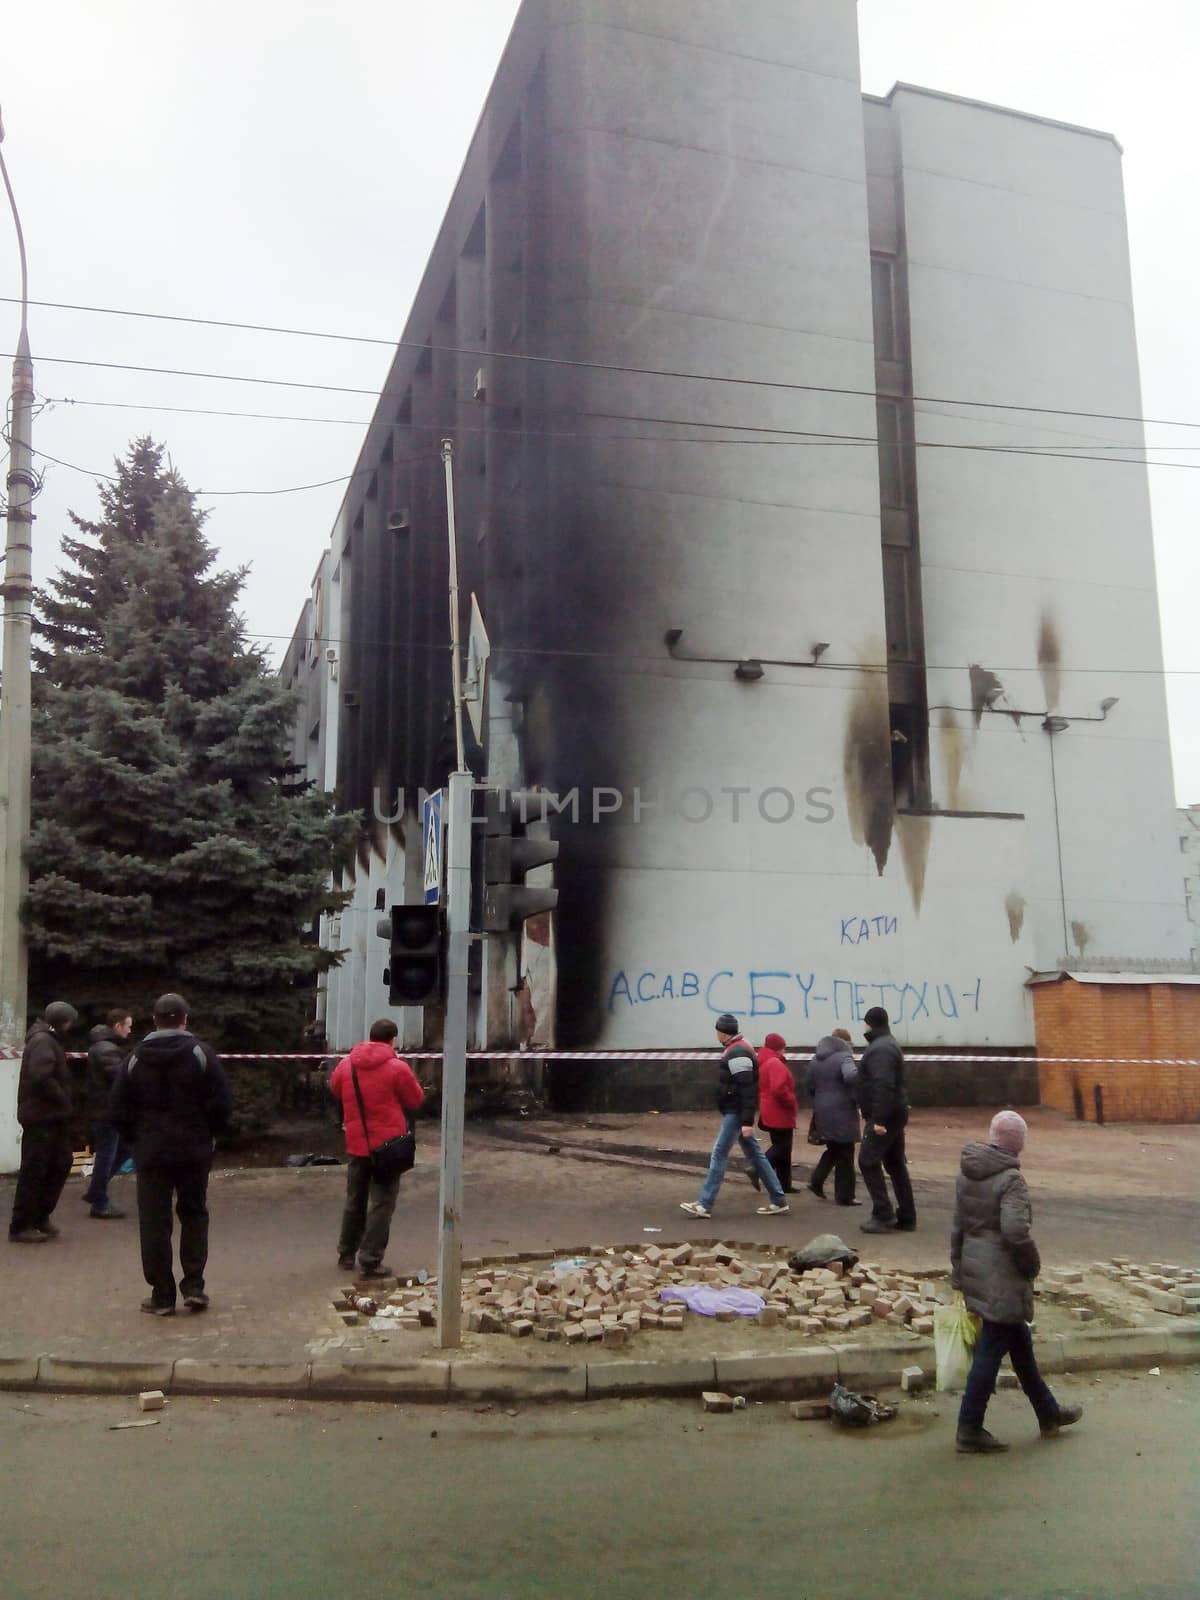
{"points": [[171, 847]]}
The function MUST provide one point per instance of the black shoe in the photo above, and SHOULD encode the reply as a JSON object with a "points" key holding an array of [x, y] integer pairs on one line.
{"points": [[1066, 1416], [819, 1193], [50, 1230], [906, 1227], [155, 1308], [29, 1236], [878, 1225], [346, 1263], [196, 1302], [977, 1442], [849, 1202], [379, 1270], [108, 1214]]}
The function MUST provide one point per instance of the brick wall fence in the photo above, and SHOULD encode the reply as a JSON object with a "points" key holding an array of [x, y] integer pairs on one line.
{"points": [[1119, 1022]]}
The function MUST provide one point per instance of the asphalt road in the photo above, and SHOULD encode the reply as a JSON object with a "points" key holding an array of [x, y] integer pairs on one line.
{"points": [[257, 1500]]}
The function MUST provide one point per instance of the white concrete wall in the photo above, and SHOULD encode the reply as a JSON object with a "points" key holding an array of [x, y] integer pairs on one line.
{"points": [[1020, 293]]}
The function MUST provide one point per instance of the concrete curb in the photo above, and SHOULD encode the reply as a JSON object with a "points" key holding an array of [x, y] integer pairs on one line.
{"points": [[782, 1374]]}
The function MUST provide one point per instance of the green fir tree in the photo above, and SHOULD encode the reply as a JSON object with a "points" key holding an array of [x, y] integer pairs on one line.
{"points": [[171, 846]]}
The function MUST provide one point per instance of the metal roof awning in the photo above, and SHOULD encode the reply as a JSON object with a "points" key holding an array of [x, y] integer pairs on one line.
{"points": [[1114, 977]]}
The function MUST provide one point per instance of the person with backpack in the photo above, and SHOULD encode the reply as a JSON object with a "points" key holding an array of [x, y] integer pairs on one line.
{"points": [[375, 1088], [737, 1101], [170, 1101]]}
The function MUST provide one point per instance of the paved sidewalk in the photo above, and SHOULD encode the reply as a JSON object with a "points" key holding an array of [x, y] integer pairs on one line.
{"points": [[1097, 1192]]}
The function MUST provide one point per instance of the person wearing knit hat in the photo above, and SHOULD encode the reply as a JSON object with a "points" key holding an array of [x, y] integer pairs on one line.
{"points": [[737, 1101], [993, 1261], [776, 1109], [1008, 1132]]}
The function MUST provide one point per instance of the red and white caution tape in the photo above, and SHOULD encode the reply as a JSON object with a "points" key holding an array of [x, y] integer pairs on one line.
{"points": [[699, 1057]]}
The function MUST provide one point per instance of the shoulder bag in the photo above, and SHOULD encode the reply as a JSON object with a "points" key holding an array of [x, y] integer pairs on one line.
{"points": [[392, 1158]]}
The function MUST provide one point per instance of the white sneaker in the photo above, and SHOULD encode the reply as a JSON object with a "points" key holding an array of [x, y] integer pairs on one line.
{"points": [[695, 1209], [773, 1211]]}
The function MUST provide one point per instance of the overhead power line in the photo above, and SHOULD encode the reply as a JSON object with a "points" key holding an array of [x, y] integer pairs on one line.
{"points": [[787, 437], [555, 361]]}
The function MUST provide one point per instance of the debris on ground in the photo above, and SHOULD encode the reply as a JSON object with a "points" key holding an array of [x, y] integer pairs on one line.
{"points": [[142, 1422], [583, 1297], [808, 1410], [858, 1410], [151, 1400], [823, 1251], [712, 1400], [1165, 1285]]}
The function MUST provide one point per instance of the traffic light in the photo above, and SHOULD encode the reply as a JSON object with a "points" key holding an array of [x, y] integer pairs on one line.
{"points": [[508, 854], [414, 935]]}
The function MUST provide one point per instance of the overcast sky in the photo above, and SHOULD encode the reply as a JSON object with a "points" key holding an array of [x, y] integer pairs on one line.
{"points": [[289, 162]]}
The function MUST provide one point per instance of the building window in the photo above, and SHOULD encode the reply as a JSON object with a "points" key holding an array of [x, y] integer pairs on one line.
{"points": [[893, 478], [883, 307]]}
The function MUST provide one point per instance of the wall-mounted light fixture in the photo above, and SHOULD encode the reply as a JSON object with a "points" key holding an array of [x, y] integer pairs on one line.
{"points": [[748, 671], [1107, 705], [818, 650], [1056, 724]]}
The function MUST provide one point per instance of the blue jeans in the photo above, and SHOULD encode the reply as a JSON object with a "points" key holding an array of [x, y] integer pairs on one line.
{"points": [[109, 1155], [730, 1133], [997, 1340]]}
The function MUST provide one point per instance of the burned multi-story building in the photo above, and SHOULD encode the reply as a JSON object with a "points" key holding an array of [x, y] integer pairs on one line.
{"points": [[797, 486]]}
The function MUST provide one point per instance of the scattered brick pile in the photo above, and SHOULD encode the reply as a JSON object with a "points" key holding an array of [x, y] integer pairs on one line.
{"points": [[614, 1294], [1167, 1288]]}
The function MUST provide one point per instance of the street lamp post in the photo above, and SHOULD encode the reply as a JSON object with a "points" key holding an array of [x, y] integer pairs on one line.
{"points": [[17, 589]]}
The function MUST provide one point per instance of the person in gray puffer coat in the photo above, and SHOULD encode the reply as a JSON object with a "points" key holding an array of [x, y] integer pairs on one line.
{"points": [[993, 1260], [830, 1079]]}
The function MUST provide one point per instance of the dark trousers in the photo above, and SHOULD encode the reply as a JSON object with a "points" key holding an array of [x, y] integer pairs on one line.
{"points": [[46, 1157], [367, 1217], [840, 1159], [185, 1183], [880, 1153], [106, 1142], [997, 1340], [779, 1154]]}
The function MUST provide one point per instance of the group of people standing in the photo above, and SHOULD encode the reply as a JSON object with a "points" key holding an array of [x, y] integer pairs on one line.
{"points": [[166, 1099], [759, 1086]]}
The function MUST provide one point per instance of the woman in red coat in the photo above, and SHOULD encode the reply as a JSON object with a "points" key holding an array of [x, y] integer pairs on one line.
{"points": [[777, 1106]]}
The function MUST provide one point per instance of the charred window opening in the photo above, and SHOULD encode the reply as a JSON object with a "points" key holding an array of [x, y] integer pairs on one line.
{"points": [[909, 726]]}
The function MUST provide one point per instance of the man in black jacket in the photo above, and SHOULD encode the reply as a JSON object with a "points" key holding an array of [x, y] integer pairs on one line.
{"points": [[44, 1112], [883, 1099], [737, 1101], [107, 1049], [170, 1100]]}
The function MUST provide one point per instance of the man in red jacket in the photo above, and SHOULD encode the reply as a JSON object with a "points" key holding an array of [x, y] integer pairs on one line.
{"points": [[388, 1088], [777, 1106]]}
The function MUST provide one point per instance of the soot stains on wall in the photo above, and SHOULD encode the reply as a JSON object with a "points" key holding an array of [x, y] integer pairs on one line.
{"points": [[986, 689], [954, 755], [867, 766], [1049, 654], [1014, 909]]}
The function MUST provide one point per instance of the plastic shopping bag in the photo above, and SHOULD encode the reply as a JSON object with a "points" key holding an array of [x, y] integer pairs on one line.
{"points": [[955, 1331]]}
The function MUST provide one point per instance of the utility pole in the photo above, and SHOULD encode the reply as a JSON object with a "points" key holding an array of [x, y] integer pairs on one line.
{"points": [[454, 1048], [17, 589]]}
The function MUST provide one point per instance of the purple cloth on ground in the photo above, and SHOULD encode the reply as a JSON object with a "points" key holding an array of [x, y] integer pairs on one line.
{"points": [[702, 1297]]}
